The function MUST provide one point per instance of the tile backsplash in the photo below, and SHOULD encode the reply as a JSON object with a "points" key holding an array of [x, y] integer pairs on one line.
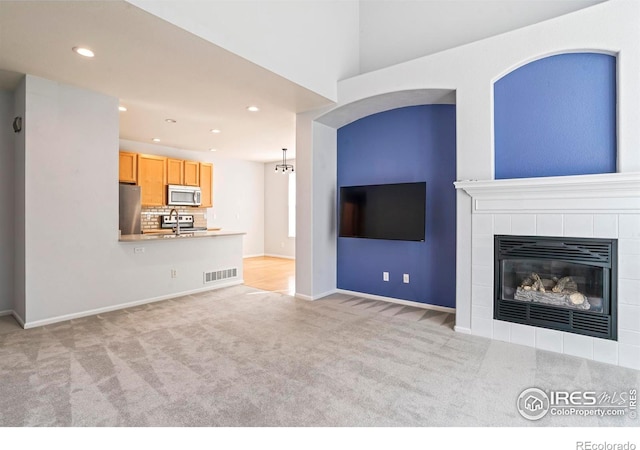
{"points": [[151, 215]]}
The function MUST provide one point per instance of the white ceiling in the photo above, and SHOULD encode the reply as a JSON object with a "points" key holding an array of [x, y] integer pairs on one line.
{"points": [[159, 71]]}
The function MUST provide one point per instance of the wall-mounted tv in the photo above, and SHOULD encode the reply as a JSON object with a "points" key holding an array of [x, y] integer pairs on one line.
{"points": [[383, 211]]}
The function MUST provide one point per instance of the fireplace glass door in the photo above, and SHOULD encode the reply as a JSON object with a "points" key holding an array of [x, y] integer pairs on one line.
{"points": [[555, 283], [561, 283]]}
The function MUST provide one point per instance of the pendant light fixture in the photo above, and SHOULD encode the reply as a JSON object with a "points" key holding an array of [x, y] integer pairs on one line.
{"points": [[284, 167]]}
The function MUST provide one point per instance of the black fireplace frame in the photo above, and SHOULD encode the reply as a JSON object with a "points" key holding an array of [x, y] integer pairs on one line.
{"points": [[597, 252]]}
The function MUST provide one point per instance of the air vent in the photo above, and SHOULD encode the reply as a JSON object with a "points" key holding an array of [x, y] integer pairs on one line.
{"points": [[589, 251], [512, 311], [217, 275], [543, 313], [594, 325]]}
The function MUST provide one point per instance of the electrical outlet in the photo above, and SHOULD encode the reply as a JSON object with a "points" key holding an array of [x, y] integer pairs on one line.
{"points": [[138, 250], [385, 276], [174, 273], [405, 278]]}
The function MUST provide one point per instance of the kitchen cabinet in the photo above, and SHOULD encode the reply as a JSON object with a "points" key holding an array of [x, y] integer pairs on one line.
{"points": [[191, 173], [128, 167], [175, 171], [206, 184], [152, 179]]}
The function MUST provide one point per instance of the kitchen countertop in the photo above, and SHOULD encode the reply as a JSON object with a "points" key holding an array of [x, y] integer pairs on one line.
{"points": [[173, 237]]}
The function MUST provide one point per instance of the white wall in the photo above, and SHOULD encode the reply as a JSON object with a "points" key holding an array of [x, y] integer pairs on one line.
{"points": [[471, 70], [316, 184], [19, 283], [393, 32], [276, 213], [74, 262], [238, 192], [6, 200], [312, 42]]}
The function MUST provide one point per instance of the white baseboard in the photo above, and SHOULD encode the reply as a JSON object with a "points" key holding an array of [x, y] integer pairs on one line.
{"points": [[93, 312], [8, 312], [253, 256], [19, 319], [274, 255], [315, 297], [397, 300], [463, 330]]}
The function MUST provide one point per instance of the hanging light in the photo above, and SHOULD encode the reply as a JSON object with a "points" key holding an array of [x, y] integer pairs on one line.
{"points": [[284, 167]]}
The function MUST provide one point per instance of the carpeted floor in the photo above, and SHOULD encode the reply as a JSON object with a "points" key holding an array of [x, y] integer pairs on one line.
{"points": [[243, 357]]}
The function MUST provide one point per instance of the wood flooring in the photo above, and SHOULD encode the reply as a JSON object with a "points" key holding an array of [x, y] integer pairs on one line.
{"points": [[270, 274]]}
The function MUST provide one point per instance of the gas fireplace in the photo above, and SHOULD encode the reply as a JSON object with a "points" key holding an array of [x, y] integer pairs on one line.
{"points": [[562, 283]]}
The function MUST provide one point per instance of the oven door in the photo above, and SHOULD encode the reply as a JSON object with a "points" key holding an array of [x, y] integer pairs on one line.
{"points": [[183, 196]]}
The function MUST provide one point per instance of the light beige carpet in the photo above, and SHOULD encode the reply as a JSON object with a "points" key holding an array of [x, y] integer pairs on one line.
{"points": [[244, 357]]}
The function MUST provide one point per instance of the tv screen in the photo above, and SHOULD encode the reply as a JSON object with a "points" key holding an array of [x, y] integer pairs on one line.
{"points": [[383, 211]]}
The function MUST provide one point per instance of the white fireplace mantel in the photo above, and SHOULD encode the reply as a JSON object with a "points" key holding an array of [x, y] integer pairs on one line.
{"points": [[598, 206], [611, 193]]}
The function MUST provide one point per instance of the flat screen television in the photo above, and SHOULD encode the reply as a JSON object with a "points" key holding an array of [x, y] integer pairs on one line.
{"points": [[383, 211]]}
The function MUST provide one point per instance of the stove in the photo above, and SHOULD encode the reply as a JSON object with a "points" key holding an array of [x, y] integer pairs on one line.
{"points": [[185, 220]]}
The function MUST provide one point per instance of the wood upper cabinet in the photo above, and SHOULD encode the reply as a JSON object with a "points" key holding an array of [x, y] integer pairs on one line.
{"points": [[206, 184], [191, 173], [175, 171], [152, 179], [128, 167]]}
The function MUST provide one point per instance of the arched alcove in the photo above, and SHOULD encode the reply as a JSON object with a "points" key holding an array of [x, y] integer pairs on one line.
{"points": [[556, 116], [406, 136]]}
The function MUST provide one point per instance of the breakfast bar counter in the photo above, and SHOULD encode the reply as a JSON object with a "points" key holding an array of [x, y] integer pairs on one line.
{"points": [[170, 236]]}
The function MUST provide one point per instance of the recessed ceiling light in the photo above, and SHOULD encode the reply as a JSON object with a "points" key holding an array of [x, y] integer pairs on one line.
{"points": [[169, 120], [83, 51], [253, 109], [156, 139], [122, 108], [213, 150], [215, 130]]}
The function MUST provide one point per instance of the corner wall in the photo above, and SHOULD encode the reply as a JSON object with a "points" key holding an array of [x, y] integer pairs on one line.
{"points": [[6, 200], [19, 209]]}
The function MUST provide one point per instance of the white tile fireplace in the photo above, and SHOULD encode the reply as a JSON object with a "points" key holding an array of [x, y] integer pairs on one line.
{"points": [[589, 206]]}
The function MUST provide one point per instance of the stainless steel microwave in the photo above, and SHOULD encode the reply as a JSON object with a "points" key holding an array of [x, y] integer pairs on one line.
{"points": [[183, 195]]}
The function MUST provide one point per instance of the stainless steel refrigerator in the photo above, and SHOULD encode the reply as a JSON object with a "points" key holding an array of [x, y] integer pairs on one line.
{"points": [[130, 209]]}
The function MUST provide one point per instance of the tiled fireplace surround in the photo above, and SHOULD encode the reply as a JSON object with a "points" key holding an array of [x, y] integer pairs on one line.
{"points": [[599, 206]]}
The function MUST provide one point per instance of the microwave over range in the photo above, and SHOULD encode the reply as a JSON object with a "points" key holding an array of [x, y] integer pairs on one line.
{"points": [[183, 195]]}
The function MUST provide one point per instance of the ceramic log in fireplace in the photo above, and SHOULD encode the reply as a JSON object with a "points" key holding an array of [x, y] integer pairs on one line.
{"points": [[566, 284]]}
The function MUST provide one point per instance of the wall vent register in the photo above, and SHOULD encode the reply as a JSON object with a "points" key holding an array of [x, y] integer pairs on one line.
{"points": [[217, 275], [566, 284]]}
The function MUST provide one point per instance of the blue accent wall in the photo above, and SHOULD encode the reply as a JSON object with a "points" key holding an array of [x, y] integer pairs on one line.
{"points": [[403, 145], [556, 116]]}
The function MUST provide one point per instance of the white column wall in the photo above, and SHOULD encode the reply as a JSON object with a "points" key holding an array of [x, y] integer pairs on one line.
{"points": [[325, 181], [19, 206], [6, 201], [305, 211]]}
